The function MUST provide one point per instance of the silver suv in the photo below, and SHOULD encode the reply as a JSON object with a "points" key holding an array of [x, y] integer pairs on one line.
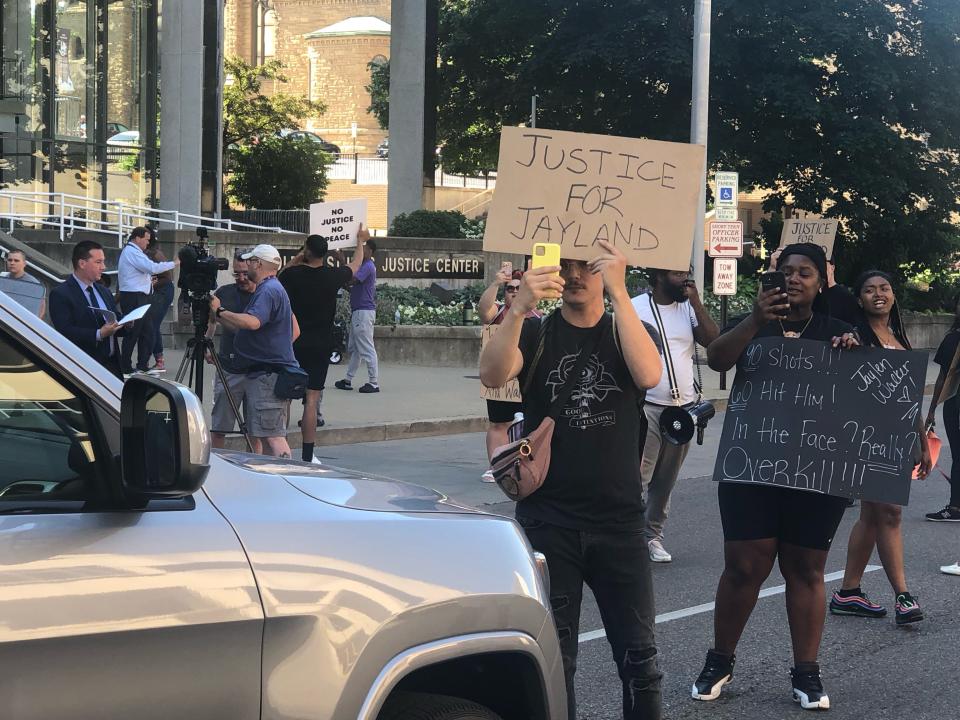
{"points": [[142, 577]]}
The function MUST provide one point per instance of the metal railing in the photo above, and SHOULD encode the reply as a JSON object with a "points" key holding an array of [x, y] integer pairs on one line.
{"points": [[67, 213], [372, 170]]}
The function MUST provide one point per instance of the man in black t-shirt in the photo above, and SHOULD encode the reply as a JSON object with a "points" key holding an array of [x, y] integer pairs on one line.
{"points": [[587, 517], [843, 305], [234, 298], [312, 286]]}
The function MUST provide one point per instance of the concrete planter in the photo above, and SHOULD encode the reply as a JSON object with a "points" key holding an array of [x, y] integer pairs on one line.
{"points": [[926, 331]]}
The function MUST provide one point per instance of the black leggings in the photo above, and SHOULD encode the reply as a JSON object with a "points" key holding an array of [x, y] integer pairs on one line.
{"points": [[951, 423]]}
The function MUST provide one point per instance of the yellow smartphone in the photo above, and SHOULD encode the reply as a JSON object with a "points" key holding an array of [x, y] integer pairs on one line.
{"points": [[545, 255]]}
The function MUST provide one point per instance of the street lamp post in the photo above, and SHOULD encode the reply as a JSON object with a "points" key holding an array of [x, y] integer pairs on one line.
{"points": [[700, 105]]}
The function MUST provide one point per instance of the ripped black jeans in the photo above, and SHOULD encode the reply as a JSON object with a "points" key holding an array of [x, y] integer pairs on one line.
{"points": [[616, 567]]}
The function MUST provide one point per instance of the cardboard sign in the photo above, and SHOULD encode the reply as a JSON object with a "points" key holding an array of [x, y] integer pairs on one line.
{"points": [[725, 276], [338, 222], [819, 231], [726, 239], [574, 189], [840, 422], [505, 393]]}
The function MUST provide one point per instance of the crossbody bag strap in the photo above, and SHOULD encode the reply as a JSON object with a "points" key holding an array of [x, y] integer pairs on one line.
{"points": [[698, 386], [574, 377], [667, 357], [541, 341]]}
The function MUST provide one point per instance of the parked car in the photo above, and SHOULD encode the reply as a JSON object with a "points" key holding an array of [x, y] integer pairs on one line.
{"points": [[143, 576], [383, 149], [327, 147], [115, 128]]}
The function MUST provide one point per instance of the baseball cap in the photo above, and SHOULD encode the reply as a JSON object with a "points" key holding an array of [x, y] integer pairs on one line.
{"points": [[267, 253]]}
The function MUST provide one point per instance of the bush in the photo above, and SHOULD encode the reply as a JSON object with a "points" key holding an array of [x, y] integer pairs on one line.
{"points": [[278, 173], [429, 224]]}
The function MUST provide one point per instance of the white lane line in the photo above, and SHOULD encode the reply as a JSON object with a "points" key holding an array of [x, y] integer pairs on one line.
{"points": [[708, 607]]}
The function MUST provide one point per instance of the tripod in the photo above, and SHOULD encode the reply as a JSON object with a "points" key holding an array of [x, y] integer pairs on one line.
{"points": [[194, 359]]}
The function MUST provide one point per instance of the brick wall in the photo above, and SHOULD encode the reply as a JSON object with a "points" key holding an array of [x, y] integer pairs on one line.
{"points": [[376, 196]]}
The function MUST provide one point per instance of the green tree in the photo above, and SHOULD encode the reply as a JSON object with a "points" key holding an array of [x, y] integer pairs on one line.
{"points": [[379, 89], [278, 173], [249, 114], [846, 107]]}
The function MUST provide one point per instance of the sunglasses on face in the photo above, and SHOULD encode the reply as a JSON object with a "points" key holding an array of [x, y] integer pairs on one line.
{"points": [[511, 288]]}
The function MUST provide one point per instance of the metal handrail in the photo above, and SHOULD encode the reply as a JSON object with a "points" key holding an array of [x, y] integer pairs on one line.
{"points": [[75, 212]]}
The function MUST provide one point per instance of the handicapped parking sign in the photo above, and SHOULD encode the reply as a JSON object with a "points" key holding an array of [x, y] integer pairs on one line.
{"points": [[727, 188], [726, 193]]}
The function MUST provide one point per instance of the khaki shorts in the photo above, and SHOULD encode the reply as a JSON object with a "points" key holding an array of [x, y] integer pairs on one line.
{"points": [[266, 415], [222, 419]]}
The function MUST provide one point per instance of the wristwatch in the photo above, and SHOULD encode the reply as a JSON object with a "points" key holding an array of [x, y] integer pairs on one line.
{"points": [[219, 311]]}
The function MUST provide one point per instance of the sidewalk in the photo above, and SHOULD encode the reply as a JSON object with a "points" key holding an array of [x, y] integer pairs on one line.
{"points": [[415, 402]]}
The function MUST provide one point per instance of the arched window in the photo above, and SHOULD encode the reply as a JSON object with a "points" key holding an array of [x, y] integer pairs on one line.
{"points": [[379, 60], [267, 22]]}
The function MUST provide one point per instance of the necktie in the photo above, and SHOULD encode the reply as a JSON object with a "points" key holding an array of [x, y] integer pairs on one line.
{"points": [[101, 320]]}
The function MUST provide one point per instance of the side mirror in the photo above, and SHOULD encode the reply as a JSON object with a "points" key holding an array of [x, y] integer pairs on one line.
{"points": [[164, 443]]}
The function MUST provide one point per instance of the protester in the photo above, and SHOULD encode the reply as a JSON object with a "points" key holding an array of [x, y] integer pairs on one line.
{"points": [[17, 270], [363, 306], [880, 325], [947, 357], [265, 332], [135, 273], [674, 299], [587, 517], [235, 298], [71, 303], [843, 303], [312, 286], [763, 523], [500, 413], [163, 291]]}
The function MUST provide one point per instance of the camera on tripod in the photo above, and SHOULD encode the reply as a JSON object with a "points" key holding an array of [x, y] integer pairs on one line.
{"points": [[198, 268]]}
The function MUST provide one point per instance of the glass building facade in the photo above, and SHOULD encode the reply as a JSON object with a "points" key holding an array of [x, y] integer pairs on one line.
{"points": [[79, 98]]}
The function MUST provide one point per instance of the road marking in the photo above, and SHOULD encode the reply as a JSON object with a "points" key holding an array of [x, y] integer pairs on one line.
{"points": [[708, 607]]}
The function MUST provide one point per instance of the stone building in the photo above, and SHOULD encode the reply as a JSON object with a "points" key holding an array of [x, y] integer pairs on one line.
{"points": [[325, 46]]}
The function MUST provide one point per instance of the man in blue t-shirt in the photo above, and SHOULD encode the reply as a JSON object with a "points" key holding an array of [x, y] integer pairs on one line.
{"points": [[363, 304], [265, 332]]}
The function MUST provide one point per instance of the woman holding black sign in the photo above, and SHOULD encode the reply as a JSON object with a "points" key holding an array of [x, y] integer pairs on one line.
{"points": [[763, 524], [880, 325]]}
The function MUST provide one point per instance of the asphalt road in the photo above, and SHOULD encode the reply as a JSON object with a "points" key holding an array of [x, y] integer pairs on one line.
{"points": [[871, 668]]}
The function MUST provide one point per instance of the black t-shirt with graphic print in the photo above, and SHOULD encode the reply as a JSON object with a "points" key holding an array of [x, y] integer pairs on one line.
{"points": [[593, 481]]}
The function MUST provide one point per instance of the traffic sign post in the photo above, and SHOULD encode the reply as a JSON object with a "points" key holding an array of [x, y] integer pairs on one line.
{"points": [[724, 285], [726, 239], [728, 186]]}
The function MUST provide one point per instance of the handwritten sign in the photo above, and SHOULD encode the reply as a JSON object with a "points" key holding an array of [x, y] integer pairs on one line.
{"points": [[839, 422], [575, 189], [338, 222], [819, 231], [505, 393]]}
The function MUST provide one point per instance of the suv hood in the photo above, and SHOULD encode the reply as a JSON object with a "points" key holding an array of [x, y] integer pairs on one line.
{"points": [[349, 488]]}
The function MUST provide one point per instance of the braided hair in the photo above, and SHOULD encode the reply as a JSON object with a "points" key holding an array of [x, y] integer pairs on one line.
{"points": [[866, 332]]}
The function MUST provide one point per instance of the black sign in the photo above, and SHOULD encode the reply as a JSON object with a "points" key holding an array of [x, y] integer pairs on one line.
{"points": [[839, 422], [416, 264]]}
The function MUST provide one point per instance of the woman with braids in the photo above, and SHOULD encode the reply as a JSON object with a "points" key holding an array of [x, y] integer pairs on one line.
{"points": [[766, 524], [946, 390], [880, 326]]}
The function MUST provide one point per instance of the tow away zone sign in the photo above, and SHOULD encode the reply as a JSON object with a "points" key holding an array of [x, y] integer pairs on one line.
{"points": [[725, 276]]}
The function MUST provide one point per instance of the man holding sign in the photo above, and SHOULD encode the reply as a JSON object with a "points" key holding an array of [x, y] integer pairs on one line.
{"points": [[587, 517]]}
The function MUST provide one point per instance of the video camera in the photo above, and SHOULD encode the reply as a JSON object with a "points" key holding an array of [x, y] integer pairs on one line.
{"points": [[198, 268]]}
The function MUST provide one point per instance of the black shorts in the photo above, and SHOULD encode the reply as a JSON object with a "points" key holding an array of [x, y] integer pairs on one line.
{"points": [[315, 363], [758, 512], [499, 411]]}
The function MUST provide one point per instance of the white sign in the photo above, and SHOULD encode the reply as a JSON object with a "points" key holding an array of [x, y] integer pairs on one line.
{"points": [[725, 214], [728, 185], [726, 239], [338, 222], [353, 130], [725, 276]]}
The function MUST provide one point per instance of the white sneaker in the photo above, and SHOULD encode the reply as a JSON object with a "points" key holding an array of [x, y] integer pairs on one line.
{"points": [[315, 461], [951, 569], [487, 477], [657, 553]]}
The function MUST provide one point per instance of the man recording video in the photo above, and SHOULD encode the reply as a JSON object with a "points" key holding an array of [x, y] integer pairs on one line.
{"points": [[135, 273], [312, 286], [235, 298], [265, 332]]}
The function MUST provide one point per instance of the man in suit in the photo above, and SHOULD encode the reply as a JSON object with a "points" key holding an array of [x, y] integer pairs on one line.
{"points": [[70, 304]]}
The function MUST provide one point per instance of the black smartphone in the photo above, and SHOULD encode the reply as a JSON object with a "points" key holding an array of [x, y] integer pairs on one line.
{"points": [[773, 279]]}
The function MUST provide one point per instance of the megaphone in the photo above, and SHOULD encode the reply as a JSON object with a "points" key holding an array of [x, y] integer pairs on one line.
{"points": [[677, 424]]}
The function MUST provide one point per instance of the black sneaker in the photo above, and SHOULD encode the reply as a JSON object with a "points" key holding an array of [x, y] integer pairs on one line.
{"points": [[369, 388], [855, 602], [908, 609], [343, 385], [948, 514], [808, 688], [717, 672]]}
